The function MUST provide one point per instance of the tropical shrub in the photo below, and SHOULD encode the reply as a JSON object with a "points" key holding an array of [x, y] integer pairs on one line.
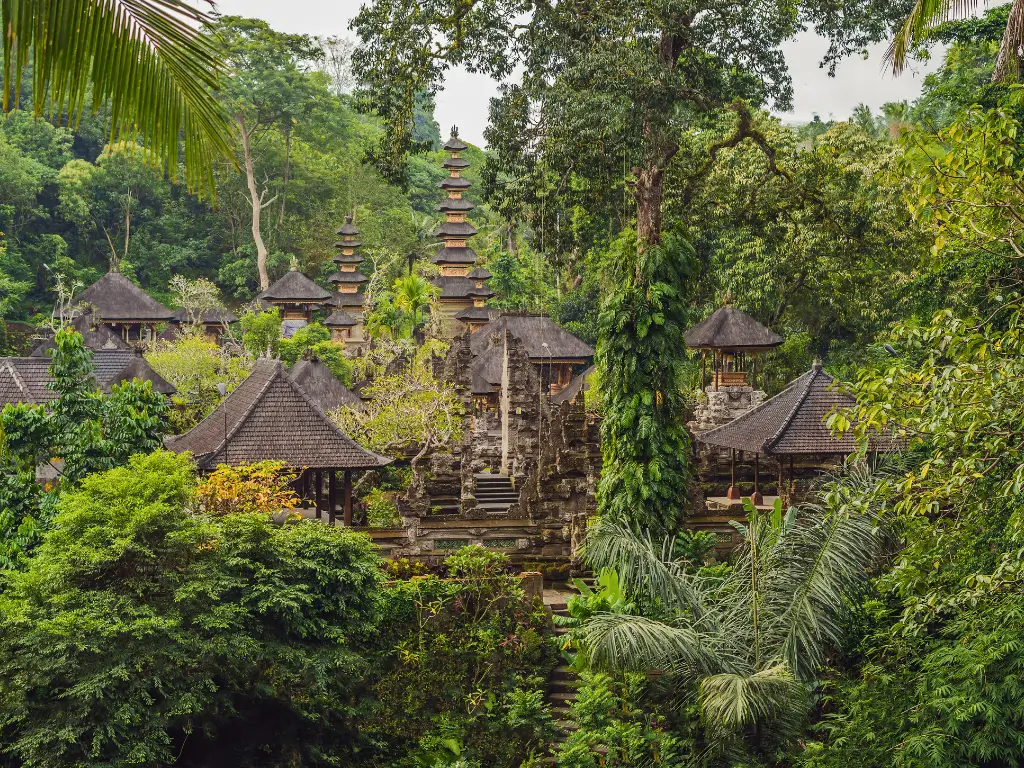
{"points": [[140, 633], [263, 488]]}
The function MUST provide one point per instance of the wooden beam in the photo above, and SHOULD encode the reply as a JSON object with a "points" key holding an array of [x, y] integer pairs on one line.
{"points": [[733, 493], [348, 498], [318, 479], [756, 496], [332, 495]]}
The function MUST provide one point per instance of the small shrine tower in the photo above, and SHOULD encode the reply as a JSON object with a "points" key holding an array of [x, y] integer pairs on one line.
{"points": [[463, 288], [346, 322]]}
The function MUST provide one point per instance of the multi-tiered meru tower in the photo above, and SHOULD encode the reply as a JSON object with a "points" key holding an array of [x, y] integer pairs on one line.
{"points": [[463, 288], [346, 322]]}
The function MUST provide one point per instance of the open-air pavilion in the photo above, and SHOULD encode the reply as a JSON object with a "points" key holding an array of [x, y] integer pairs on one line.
{"points": [[734, 340], [269, 417]]}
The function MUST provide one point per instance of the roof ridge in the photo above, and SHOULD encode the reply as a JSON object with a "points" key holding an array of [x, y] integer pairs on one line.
{"points": [[17, 378], [248, 411], [788, 420]]}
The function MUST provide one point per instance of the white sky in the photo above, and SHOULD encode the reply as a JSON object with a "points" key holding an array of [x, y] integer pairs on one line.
{"points": [[465, 97]]}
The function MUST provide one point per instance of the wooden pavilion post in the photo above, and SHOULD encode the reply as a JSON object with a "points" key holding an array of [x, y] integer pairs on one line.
{"points": [[756, 498], [332, 495], [714, 366], [781, 490], [703, 369], [753, 370], [791, 486], [732, 494], [348, 498], [318, 479]]}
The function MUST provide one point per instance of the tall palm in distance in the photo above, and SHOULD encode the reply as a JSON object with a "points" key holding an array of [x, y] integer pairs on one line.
{"points": [[750, 642], [152, 62], [927, 14]]}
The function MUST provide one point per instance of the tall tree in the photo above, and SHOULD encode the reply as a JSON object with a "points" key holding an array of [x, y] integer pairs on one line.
{"points": [[270, 89], [148, 59]]}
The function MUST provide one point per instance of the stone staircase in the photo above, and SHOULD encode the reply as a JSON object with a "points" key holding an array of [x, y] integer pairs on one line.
{"points": [[561, 691], [494, 493]]}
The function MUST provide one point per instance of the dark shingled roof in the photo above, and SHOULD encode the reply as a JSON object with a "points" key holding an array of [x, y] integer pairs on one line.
{"points": [[341, 319], [455, 183], [348, 228], [116, 298], [355, 258], [455, 229], [455, 205], [347, 277], [24, 379], [579, 384], [454, 144], [348, 244], [454, 287], [729, 328], [486, 370], [454, 256], [484, 292], [476, 314], [322, 386], [792, 422], [455, 163], [339, 299], [269, 417], [479, 274], [534, 331], [95, 337], [213, 316], [295, 287]]}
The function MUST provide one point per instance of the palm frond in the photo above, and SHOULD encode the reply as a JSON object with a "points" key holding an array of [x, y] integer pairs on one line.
{"points": [[817, 567], [151, 61], [617, 642], [645, 567], [732, 702], [923, 16]]}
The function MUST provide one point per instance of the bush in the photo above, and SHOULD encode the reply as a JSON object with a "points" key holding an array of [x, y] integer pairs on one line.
{"points": [[381, 510], [143, 634]]}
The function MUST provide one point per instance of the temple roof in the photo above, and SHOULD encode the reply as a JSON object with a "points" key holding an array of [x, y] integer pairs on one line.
{"points": [[486, 371], [322, 386], [479, 273], [339, 299], [25, 379], [455, 205], [453, 182], [341, 258], [270, 417], [475, 314], [453, 287], [116, 298], [455, 229], [348, 228], [454, 144], [341, 319], [534, 331], [454, 256], [792, 422], [347, 277], [730, 328], [455, 163], [295, 287], [95, 337]]}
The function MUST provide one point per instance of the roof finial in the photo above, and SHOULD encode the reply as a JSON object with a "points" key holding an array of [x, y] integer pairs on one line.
{"points": [[455, 131], [816, 366], [294, 267], [348, 218], [727, 299]]}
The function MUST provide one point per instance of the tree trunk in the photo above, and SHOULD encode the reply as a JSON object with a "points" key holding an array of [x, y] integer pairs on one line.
{"points": [[1008, 60], [287, 169], [649, 193], [256, 202]]}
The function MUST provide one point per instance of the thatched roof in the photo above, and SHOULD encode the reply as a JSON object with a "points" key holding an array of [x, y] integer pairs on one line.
{"points": [[455, 229], [454, 256], [95, 337], [295, 287], [729, 328], [792, 422], [534, 331], [269, 417], [322, 386], [486, 370], [339, 299], [453, 287], [476, 314], [115, 298], [341, 319], [454, 143]]}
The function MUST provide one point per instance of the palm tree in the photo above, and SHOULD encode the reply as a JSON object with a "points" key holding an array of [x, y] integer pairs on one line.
{"points": [[413, 295], [748, 643], [150, 61], [927, 14]]}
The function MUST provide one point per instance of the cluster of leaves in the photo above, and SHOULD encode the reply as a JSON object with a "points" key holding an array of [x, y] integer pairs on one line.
{"points": [[463, 677], [164, 635], [261, 488], [644, 442], [80, 431], [314, 340]]}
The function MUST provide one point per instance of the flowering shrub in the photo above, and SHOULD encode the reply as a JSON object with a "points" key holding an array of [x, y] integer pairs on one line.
{"points": [[261, 488]]}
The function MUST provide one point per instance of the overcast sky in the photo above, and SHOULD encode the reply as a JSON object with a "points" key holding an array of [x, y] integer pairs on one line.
{"points": [[465, 97]]}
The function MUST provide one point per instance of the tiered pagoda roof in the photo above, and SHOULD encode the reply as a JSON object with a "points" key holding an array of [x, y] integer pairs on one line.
{"points": [[294, 288], [542, 337], [347, 278], [456, 258]]}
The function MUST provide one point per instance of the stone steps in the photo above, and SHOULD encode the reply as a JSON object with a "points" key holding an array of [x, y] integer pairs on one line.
{"points": [[494, 493]]}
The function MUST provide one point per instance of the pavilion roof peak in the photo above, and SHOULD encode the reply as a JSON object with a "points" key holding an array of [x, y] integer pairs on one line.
{"points": [[731, 328]]}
